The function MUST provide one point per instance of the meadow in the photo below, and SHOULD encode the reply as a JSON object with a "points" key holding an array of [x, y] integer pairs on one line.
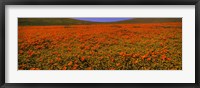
{"points": [[138, 46]]}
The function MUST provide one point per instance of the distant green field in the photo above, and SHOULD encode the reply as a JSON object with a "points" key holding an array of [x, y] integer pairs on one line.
{"points": [[70, 21], [50, 21]]}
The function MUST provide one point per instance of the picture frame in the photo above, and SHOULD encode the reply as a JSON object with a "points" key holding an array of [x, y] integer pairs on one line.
{"points": [[99, 2]]}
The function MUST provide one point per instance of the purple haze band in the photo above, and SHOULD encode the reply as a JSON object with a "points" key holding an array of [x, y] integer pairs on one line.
{"points": [[103, 19]]}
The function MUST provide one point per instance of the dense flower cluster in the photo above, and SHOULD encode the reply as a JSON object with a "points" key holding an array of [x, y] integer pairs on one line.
{"points": [[150, 46]]}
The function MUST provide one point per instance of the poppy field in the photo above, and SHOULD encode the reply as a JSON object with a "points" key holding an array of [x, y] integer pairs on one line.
{"points": [[138, 46]]}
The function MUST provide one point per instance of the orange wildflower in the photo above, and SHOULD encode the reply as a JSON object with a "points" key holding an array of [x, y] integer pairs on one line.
{"points": [[32, 68], [70, 63], [118, 64], [168, 59], [82, 58], [58, 59], [148, 59], [163, 57], [64, 68]]}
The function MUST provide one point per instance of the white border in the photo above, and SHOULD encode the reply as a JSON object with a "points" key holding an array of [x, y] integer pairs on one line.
{"points": [[187, 75]]}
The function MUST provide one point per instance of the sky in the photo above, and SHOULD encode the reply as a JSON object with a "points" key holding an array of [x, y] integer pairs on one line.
{"points": [[103, 19]]}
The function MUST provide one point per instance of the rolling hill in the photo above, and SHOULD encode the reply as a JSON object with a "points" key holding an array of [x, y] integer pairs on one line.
{"points": [[70, 21]]}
